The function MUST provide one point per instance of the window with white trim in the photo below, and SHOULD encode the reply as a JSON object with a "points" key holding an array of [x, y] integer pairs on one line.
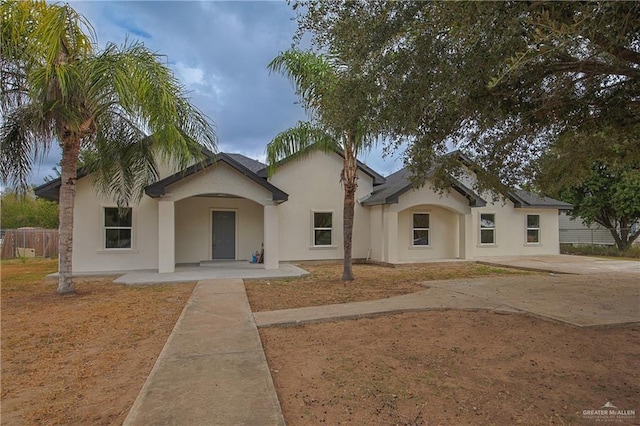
{"points": [[322, 228], [487, 228], [421, 229], [117, 228], [533, 228]]}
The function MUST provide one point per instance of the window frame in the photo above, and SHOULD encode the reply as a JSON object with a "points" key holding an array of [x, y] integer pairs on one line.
{"points": [[314, 229], [105, 228], [493, 229], [413, 229], [528, 228]]}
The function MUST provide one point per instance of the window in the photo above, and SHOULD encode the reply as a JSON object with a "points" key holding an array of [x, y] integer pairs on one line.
{"points": [[533, 228], [322, 228], [117, 228], [487, 228], [421, 229]]}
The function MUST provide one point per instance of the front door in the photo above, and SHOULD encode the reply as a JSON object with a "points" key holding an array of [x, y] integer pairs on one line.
{"points": [[224, 235]]}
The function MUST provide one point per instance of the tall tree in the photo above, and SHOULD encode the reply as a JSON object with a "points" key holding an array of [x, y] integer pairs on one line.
{"points": [[500, 80], [603, 190], [57, 86], [338, 103]]}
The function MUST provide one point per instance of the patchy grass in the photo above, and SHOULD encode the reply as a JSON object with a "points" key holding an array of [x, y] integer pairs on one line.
{"points": [[602, 251], [324, 286], [78, 359]]}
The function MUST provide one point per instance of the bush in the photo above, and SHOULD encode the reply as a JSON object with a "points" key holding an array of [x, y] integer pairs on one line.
{"points": [[20, 211], [596, 250]]}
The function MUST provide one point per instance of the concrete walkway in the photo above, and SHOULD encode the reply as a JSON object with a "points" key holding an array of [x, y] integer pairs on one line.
{"points": [[430, 299], [212, 370]]}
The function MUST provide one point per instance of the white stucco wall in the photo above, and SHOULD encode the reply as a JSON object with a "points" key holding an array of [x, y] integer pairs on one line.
{"points": [[376, 226], [313, 184], [443, 234], [450, 216], [450, 199], [445, 211], [194, 227], [511, 228], [89, 254], [218, 179]]}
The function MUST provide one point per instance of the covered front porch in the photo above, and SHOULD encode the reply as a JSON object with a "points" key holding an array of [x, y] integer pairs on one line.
{"points": [[422, 233], [220, 212]]}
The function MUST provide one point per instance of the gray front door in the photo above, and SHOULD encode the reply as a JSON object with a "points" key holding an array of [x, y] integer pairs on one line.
{"points": [[224, 235]]}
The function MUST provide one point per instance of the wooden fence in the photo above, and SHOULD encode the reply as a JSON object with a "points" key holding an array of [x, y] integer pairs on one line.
{"points": [[29, 242]]}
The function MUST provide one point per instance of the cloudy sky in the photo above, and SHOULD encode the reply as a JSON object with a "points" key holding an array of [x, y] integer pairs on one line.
{"points": [[220, 51]]}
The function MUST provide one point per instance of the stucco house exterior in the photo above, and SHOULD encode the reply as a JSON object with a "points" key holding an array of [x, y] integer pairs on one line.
{"points": [[227, 208]]}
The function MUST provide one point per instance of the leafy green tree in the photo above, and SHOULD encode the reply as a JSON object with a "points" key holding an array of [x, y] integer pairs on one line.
{"points": [[26, 210], [500, 80], [603, 191], [337, 103], [58, 87]]}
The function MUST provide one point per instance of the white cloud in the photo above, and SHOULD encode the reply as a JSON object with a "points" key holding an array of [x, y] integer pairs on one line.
{"points": [[190, 75]]}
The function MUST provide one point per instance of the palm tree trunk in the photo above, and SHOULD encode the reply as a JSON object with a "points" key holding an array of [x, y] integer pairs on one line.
{"points": [[68, 176], [347, 224], [350, 183]]}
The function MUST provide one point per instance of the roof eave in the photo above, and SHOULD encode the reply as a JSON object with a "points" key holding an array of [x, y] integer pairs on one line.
{"points": [[51, 190], [545, 206], [157, 189]]}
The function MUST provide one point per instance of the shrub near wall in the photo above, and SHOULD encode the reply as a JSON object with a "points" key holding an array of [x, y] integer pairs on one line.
{"points": [[599, 250]]}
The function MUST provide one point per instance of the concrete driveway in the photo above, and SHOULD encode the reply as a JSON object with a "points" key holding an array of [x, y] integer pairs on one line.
{"points": [[597, 300], [581, 291], [566, 264]]}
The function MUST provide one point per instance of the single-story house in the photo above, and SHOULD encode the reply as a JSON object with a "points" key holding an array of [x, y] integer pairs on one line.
{"points": [[228, 208]]}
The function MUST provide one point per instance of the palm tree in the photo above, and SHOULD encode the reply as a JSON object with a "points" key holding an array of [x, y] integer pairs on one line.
{"points": [[332, 94], [57, 87]]}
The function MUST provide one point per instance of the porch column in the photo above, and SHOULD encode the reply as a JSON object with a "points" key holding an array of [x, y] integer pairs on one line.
{"points": [[271, 249], [390, 232], [465, 235], [166, 237]]}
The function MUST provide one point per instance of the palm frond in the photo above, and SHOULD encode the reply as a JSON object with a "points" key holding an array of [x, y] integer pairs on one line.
{"points": [[25, 139], [298, 142], [148, 91], [120, 160], [312, 75]]}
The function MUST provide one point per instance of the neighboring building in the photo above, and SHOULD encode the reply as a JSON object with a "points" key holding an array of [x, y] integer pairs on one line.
{"points": [[574, 231], [227, 208]]}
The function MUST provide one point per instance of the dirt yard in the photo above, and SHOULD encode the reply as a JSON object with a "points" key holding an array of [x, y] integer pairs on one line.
{"points": [[78, 359], [438, 368], [82, 359], [452, 368]]}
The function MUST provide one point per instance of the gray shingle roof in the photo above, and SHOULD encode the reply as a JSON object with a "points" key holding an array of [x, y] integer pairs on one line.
{"points": [[395, 185], [399, 182], [251, 164], [523, 198], [157, 189]]}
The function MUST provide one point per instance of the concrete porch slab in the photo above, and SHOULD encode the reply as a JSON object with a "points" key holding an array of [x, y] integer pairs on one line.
{"points": [[210, 271]]}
